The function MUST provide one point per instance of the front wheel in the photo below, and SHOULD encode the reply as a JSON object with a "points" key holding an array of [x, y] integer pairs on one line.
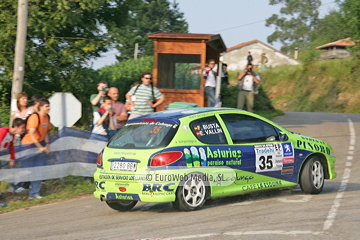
{"points": [[312, 176], [121, 205], [191, 193]]}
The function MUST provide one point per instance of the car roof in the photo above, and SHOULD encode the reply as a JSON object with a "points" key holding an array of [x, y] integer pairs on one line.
{"points": [[175, 114]]}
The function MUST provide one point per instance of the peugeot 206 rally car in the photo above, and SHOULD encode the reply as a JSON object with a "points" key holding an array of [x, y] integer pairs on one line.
{"points": [[188, 156]]}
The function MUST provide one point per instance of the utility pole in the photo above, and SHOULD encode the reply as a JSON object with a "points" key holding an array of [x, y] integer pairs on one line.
{"points": [[19, 60], [136, 50]]}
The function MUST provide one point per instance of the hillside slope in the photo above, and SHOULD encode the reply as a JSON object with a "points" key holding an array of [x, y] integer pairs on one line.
{"points": [[322, 86]]}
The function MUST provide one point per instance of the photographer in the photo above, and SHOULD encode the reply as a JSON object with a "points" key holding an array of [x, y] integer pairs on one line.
{"points": [[96, 99], [247, 82], [104, 118]]}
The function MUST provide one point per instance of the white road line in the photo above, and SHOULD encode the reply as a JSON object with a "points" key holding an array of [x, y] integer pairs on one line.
{"points": [[305, 198], [352, 148], [349, 158], [334, 208], [348, 164], [270, 232], [274, 232]]}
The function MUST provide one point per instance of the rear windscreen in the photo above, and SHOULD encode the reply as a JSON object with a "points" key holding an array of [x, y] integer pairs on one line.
{"points": [[144, 135]]}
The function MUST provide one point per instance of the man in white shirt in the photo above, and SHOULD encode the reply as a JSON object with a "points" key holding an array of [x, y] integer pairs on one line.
{"points": [[210, 83], [246, 80]]}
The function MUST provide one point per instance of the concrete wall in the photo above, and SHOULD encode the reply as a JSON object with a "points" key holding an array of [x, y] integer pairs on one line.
{"points": [[237, 59]]}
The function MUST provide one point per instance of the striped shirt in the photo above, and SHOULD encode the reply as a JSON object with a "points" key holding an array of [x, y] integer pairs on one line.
{"points": [[142, 95]]}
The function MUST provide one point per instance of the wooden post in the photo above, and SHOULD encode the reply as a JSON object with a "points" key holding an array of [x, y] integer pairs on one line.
{"points": [[136, 50], [19, 61]]}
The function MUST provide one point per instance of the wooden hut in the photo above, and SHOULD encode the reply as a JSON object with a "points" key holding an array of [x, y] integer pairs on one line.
{"points": [[179, 59]]}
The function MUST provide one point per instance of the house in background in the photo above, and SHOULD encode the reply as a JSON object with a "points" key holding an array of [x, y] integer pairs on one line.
{"points": [[236, 57], [336, 49]]}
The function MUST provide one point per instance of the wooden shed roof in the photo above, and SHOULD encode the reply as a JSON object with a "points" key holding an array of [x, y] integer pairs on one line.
{"points": [[340, 43], [214, 39]]}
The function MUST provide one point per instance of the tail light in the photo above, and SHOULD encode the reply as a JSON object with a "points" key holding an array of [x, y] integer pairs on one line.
{"points": [[99, 160], [163, 159]]}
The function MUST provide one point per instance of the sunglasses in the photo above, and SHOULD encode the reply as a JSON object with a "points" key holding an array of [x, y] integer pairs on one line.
{"points": [[148, 78]]}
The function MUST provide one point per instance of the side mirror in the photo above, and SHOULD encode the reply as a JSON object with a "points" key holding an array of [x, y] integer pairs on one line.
{"points": [[283, 137]]}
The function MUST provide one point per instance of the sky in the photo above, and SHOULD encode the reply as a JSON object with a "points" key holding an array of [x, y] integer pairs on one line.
{"points": [[237, 21]]}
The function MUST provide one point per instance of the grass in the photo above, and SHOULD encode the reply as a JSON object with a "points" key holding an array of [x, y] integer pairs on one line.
{"points": [[52, 191], [320, 86]]}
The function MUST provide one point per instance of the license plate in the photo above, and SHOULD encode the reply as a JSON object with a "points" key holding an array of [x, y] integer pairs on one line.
{"points": [[123, 166]]}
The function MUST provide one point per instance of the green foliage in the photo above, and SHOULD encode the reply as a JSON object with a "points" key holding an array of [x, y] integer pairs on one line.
{"points": [[4, 108], [329, 29], [294, 28], [53, 190], [351, 14], [324, 86], [122, 75], [147, 16]]}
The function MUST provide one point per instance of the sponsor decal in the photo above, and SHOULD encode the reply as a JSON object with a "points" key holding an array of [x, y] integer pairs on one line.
{"points": [[238, 178], [288, 160], [203, 157], [122, 196], [288, 150], [157, 187], [257, 186], [271, 157], [316, 145], [287, 170], [100, 185]]}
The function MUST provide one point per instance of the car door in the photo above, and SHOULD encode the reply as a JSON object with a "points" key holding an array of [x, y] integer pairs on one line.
{"points": [[262, 151]]}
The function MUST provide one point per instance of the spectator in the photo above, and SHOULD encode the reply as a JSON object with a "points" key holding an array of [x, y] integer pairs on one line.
{"points": [[35, 101], [120, 110], [38, 126], [249, 58], [127, 103], [224, 75], [7, 141], [96, 99], [104, 118], [144, 97], [210, 83], [263, 60], [23, 107], [246, 81]]}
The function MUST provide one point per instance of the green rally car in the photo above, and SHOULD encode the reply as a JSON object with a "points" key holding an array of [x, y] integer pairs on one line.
{"points": [[186, 156]]}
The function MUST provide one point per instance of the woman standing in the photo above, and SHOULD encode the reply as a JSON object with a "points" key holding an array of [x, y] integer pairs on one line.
{"points": [[23, 107]]}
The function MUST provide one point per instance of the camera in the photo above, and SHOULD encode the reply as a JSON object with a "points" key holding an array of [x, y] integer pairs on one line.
{"points": [[249, 69], [106, 89]]}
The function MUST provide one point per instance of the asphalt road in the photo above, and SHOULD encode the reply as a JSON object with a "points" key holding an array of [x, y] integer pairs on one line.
{"points": [[285, 214]]}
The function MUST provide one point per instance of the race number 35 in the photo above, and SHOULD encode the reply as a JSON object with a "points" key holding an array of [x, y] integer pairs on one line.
{"points": [[265, 162]]}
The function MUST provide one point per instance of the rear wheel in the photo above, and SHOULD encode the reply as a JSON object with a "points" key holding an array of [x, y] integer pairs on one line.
{"points": [[312, 176], [191, 193], [121, 205]]}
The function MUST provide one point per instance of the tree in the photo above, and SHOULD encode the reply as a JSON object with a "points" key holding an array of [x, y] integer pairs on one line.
{"points": [[351, 13], [330, 28], [146, 17], [294, 28], [62, 36]]}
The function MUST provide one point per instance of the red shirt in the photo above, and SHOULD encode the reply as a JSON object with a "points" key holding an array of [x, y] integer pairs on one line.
{"points": [[7, 141]]}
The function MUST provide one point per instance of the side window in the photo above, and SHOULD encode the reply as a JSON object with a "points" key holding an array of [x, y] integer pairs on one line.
{"points": [[247, 129], [208, 130]]}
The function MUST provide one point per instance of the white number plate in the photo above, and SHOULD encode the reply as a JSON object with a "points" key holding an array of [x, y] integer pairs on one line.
{"points": [[123, 166]]}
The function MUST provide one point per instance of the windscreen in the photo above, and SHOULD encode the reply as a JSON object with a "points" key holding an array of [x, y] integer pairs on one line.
{"points": [[143, 135]]}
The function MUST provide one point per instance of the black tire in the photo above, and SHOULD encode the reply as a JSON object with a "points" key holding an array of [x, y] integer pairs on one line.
{"points": [[121, 205], [192, 192], [312, 176]]}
